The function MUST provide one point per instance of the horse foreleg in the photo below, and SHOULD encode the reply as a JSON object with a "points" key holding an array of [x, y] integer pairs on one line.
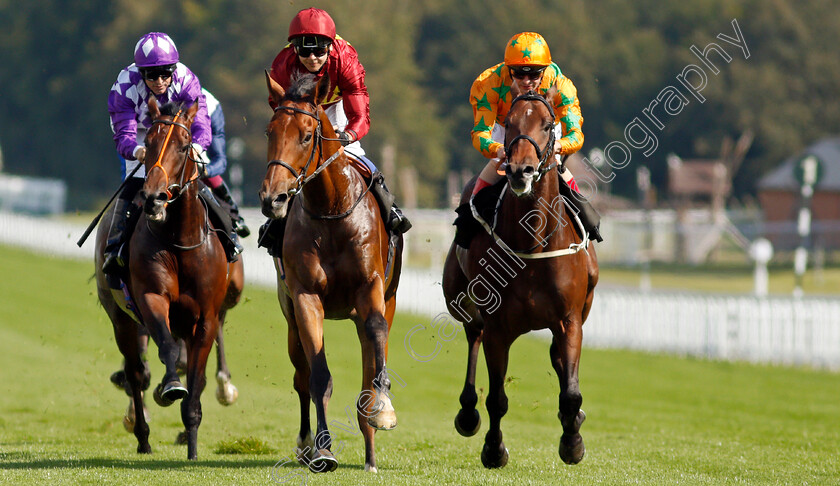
{"points": [[198, 350], [305, 441], [565, 357], [137, 379], [496, 352], [155, 311], [226, 392], [310, 329], [468, 420]]}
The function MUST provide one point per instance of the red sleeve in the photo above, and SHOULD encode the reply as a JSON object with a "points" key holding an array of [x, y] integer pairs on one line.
{"points": [[351, 83], [281, 69]]}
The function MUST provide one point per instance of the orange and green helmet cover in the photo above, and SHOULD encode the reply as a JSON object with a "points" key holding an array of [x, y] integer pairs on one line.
{"points": [[527, 49]]}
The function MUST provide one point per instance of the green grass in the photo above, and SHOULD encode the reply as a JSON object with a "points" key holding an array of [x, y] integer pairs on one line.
{"points": [[652, 419]]}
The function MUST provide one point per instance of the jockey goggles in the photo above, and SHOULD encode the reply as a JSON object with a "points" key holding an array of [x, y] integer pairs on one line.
{"points": [[307, 45], [153, 73], [532, 73]]}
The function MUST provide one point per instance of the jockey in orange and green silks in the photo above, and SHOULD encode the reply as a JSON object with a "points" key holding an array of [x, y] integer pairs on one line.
{"points": [[527, 66], [526, 57]]}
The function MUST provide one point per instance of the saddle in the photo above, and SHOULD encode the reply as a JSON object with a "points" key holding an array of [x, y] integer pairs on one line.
{"points": [[271, 233], [487, 203], [220, 220]]}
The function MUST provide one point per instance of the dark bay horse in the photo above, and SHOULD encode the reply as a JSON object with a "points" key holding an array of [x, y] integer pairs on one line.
{"points": [[542, 273], [179, 280], [334, 264]]}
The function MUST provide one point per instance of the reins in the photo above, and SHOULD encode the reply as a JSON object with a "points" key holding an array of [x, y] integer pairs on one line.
{"points": [[542, 154], [181, 184], [301, 179]]}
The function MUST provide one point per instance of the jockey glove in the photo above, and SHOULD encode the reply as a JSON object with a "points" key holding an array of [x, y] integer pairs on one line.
{"points": [[345, 138]]}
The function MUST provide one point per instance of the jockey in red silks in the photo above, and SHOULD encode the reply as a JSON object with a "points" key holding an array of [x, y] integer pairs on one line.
{"points": [[315, 48]]}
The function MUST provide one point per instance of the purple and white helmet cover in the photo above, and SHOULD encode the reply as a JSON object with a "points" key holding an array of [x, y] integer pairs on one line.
{"points": [[155, 49], [128, 107]]}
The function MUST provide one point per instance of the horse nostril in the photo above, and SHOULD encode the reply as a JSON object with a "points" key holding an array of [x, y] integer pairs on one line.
{"points": [[508, 170], [528, 170], [280, 200]]}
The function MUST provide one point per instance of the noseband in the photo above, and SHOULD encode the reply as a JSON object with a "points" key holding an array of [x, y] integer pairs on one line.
{"points": [[181, 184], [542, 153], [301, 178]]}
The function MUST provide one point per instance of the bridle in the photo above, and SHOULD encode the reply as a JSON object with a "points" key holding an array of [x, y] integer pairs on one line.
{"points": [[543, 153], [301, 178], [181, 184]]}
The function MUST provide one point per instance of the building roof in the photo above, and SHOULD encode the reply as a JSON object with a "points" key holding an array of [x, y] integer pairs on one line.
{"points": [[826, 150]]}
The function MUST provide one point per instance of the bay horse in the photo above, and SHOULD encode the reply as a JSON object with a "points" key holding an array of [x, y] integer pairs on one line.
{"points": [[179, 282], [541, 271], [335, 263]]}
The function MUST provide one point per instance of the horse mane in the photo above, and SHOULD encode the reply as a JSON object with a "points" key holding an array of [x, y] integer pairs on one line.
{"points": [[302, 88], [170, 109]]}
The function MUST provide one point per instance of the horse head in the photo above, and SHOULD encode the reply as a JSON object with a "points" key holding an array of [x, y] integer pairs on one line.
{"points": [[169, 165], [529, 139], [294, 140]]}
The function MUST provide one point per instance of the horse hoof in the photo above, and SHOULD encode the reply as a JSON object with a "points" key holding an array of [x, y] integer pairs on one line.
{"points": [[159, 397], [118, 379], [572, 449], [144, 449], [323, 461], [494, 462], [173, 391], [165, 395], [130, 417], [305, 450], [386, 418], [182, 438], [466, 423], [226, 392], [372, 469]]}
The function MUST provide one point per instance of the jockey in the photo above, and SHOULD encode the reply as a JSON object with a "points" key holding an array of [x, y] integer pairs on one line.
{"points": [[527, 66], [218, 163], [156, 71], [315, 48]]}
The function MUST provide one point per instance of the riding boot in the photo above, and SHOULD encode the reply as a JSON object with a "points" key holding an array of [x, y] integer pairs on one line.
{"points": [[589, 217], [114, 261], [222, 220], [223, 194], [466, 226], [395, 220], [271, 236]]}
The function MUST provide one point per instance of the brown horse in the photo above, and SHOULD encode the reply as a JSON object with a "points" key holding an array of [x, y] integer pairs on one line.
{"points": [[531, 272], [334, 264], [179, 280]]}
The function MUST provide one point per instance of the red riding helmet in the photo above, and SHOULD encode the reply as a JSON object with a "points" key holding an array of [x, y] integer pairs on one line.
{"points": [[312, 21]]}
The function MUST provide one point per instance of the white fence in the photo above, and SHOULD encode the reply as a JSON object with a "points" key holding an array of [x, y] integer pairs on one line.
{"points": [[778, 330]]}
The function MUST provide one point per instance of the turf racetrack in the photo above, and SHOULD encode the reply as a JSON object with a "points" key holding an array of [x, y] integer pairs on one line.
{"points": [[651, 419]]}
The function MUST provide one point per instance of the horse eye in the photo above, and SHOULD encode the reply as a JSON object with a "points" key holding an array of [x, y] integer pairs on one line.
{"points": [[267, 132], [307, 138], [184, 149]]}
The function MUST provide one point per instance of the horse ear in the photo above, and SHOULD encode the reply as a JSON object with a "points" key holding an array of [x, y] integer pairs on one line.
{"points": [[515, 90], [275, 91], [191, 112], [552, 92], [322, 90], [154, 109]]}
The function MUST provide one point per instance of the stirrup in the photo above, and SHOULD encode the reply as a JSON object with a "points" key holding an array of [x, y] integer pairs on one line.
{"points": [[399, 223], [114, 262], [241, 228]]}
